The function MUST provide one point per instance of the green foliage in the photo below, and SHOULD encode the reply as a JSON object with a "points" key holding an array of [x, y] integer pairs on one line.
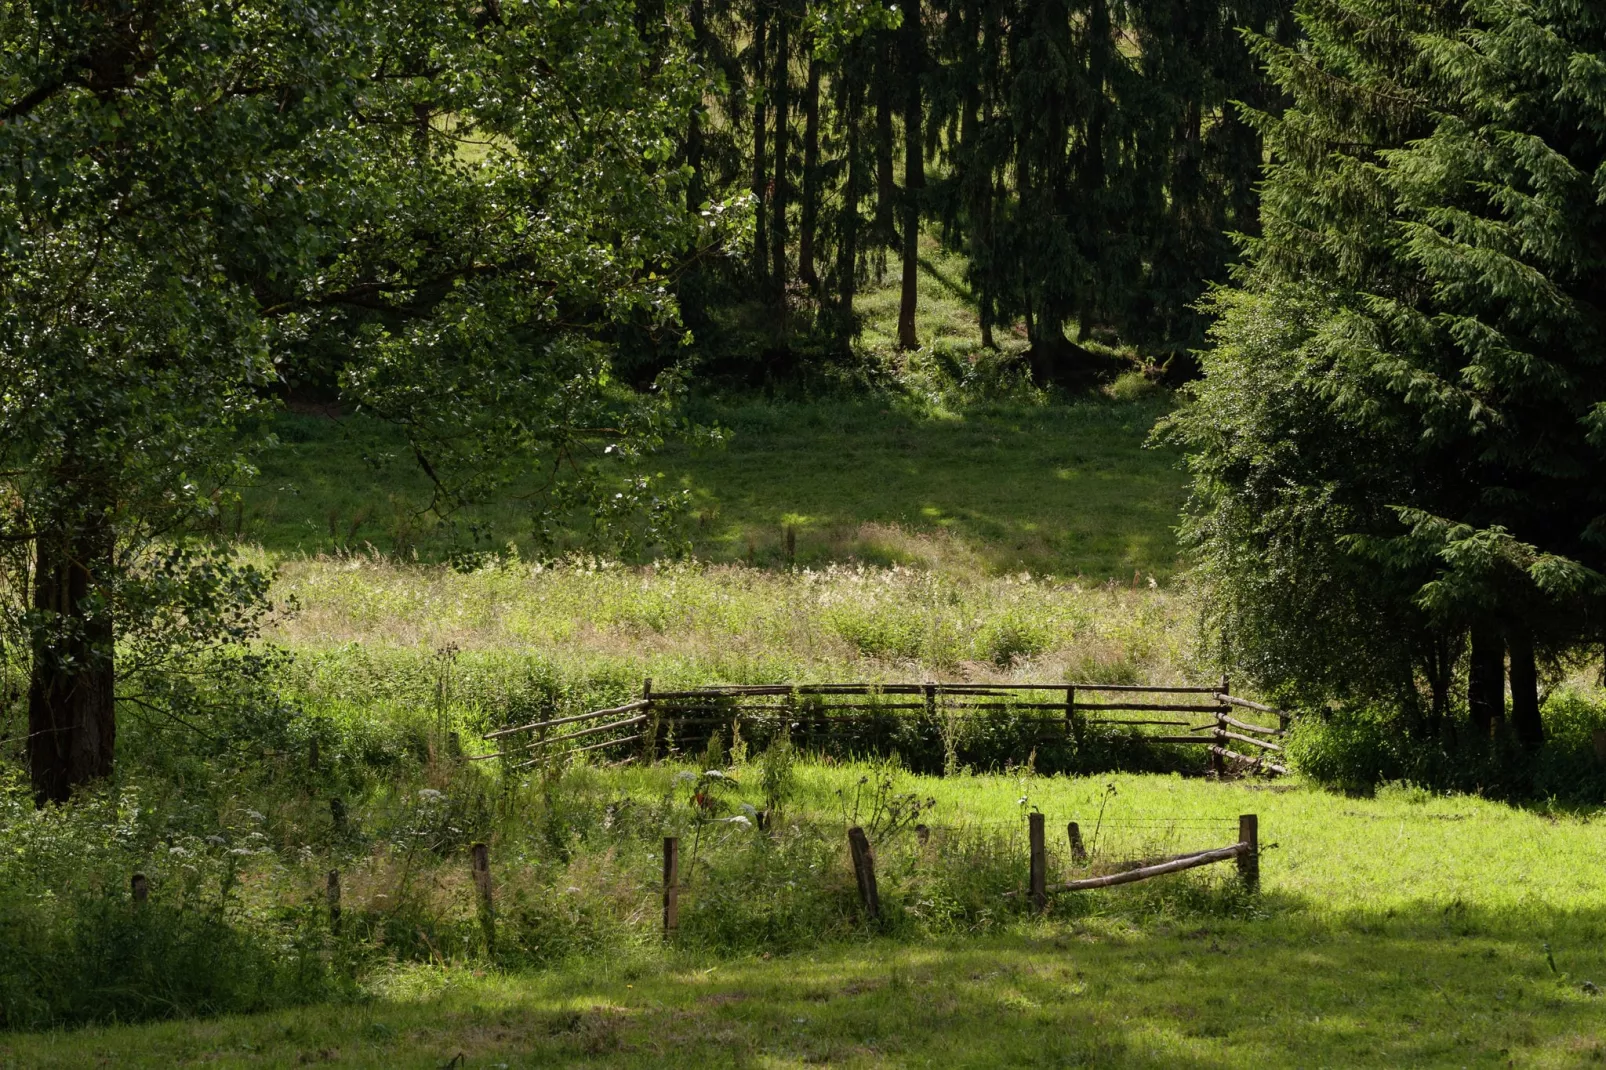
{"points": [[1394, 442], [1359, 749]]}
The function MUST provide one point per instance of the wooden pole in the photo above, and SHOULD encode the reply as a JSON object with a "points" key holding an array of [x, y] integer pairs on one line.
{"points": [[332, 893], [1078, 849], [864, 872], [1071, 720], [1039, 864], [1175, 865], [649, 734], [1249, 860], [480, 859], [1218, 764], [671, 884], [140, 888], [923, 834]]}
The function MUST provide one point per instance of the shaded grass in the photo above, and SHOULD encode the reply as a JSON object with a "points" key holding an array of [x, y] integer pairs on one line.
{"points": [[1062, 488]]}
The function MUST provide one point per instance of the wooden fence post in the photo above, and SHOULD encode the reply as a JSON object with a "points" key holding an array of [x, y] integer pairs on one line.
{"points": [[332, 894], [1073, 722], [649, 730], [480, 858], [671, 884], [140, 888], [1218, 764], [1218, 736], [1078, 849], [1249, 861], [1039, 870], [864, 871], [923, 834]]}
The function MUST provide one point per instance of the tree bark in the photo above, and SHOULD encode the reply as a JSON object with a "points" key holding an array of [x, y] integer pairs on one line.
{"points": [[761, 179], [914, 173], [1525, 720], [1486, 680], [72, 728], [886, 202], [811, 179], [847, 250], [780, 92]]}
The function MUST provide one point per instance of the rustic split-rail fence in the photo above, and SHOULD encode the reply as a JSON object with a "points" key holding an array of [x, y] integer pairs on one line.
{"points": [[651, 725]]}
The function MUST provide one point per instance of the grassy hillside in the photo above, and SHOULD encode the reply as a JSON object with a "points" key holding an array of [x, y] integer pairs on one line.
{"points": [[1068, 489]]}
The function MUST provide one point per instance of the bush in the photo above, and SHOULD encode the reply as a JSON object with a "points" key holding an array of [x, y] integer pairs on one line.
{"points": [[1359, 749]]}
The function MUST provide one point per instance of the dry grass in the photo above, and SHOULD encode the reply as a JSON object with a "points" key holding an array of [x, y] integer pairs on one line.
{"points": [[731, 621]]}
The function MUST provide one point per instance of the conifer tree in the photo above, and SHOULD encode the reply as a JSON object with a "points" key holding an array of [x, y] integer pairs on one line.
{"points": [[1400, 441]]}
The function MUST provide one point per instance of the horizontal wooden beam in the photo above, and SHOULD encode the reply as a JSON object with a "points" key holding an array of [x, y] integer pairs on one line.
{"points": [[637, 719], [1175, 865], [593, 715]]}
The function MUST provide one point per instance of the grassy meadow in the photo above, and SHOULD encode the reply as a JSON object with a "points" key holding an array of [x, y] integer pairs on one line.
{"points": [[985, 533], [1400, 930]]}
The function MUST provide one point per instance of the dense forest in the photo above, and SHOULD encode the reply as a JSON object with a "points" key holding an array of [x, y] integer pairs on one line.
{"points": [[1091, 160]]}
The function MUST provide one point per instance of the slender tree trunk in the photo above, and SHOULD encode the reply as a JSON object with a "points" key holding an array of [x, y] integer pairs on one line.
{"points": [[689, 290], [811, 179], [847, 250], [761, 178], [780, 91], [914, 173], [697, 184], [72, 729], [1525, 720], [1486, 680], [886, 202]]}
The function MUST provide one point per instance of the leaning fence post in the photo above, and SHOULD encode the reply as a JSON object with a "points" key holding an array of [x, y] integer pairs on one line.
{"points": [[671, 884], [1039, 871], [332, 894], [140, 888], [864, 871], [1249, 859], [480, 858], [1078, 849]]}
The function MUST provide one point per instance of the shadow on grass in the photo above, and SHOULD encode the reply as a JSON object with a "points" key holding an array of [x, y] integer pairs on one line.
{"points": [[1431, 985], [1068, 489]]}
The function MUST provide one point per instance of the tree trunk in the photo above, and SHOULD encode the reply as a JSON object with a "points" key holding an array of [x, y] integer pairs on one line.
{"points": [[761, 180], [847, 250], [1486, 681], [1525, 721], [689, 291], [914, 174], [72, 728], [780, 91], [811, 179], [886, 200]]}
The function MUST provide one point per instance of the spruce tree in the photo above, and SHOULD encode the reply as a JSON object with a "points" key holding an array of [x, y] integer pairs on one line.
{"points": [[1399, 440]]}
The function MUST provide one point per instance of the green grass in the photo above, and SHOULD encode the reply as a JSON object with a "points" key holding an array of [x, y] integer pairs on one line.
{"points": [[1067, 489], [1404, 930]]}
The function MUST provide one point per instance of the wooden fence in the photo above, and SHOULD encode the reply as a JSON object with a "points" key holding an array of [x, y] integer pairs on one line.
{"points": [[1058, 710]]}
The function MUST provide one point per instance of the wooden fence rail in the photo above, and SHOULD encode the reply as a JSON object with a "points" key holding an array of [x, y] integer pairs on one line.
{"points": [[825, 705]]}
